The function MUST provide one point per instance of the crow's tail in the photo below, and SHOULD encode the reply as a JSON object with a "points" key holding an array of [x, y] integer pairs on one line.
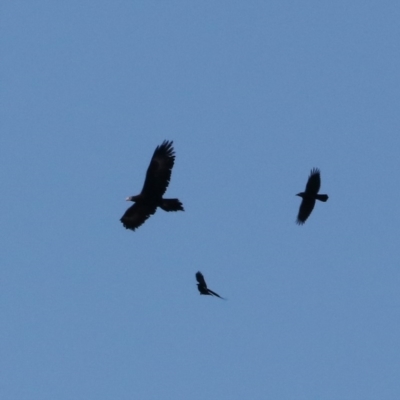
{"points": [[322, 197], [215, 294]]}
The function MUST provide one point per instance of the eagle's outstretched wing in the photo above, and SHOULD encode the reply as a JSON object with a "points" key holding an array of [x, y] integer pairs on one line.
{"points": [[159, 171], [136, 215]]}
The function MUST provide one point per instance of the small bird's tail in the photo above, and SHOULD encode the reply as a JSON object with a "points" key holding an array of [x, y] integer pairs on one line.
{"points": [[322, 197], [171, 205], [215, 294]]}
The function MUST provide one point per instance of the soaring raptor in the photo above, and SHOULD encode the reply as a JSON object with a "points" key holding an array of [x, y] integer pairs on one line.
{"points": [[157, 179]]}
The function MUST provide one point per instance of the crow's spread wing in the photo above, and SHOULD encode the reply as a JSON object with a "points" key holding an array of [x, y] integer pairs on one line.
{"points": [[200, 279], [314, 182], [305, 209]]}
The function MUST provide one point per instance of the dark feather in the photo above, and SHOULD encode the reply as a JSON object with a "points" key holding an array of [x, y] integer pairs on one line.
{"points": [[136, 215], [215, 294], [305, 210], [159, 171], [200, 279], [171, 205], [314, 182]]}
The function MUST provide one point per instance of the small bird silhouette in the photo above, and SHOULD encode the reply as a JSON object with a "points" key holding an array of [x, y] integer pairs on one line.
{"points": [[202, 286], [310, 195]]}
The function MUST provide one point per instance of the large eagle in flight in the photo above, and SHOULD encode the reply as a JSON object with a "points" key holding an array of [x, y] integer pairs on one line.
{"points": [[157, 179], [310, 195]]}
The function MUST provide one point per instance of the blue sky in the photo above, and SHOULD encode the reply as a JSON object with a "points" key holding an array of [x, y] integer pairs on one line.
{"points": [[253, 94]]}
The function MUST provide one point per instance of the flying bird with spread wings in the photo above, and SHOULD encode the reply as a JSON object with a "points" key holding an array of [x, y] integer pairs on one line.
{"points": [[202, 286], [310, 195], [157, 179]]}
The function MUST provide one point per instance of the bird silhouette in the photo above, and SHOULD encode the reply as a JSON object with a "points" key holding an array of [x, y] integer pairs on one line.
{"points": [[310, 195], [157, 179], [202, 286]]}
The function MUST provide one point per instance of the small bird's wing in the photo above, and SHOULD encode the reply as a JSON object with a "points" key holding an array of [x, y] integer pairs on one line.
{"points": [[136, 215], [215, 294], [305, 209], [159, 171], [201, 280], [314, 182]]}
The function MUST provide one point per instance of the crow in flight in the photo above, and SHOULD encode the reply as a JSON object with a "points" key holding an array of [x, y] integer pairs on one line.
{"points": [[310, 195], [157, 179], [202, 286]]}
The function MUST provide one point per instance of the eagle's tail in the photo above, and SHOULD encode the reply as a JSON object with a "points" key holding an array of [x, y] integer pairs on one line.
{"points": [[171, 205]]}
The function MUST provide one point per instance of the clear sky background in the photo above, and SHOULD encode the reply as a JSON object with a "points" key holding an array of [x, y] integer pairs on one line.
{"points": [[254, 94]]}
